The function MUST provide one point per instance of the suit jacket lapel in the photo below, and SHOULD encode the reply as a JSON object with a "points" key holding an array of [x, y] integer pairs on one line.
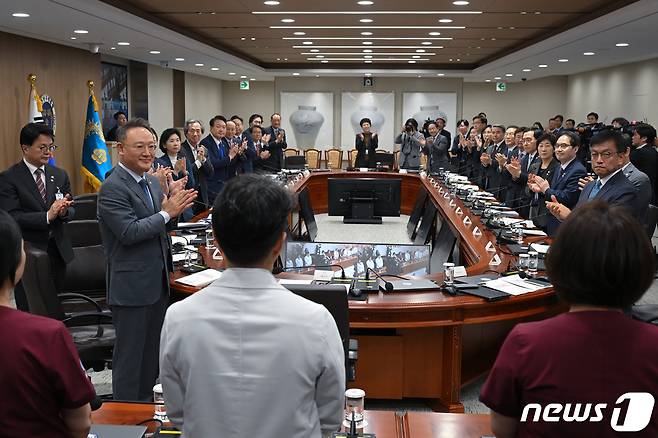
{"points": [[31, 183], [51, 186], [135, 187], [154, 187]]}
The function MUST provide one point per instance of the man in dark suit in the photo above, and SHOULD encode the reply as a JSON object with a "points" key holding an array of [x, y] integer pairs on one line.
{"points": [[201, 168], [607, 150], [222, 156], [38, 196], [564, 186], [490, 164], [518, 198], [134, 216], [441, 124], [558, 120], [644, 155], [277, 141], [513, 150]]}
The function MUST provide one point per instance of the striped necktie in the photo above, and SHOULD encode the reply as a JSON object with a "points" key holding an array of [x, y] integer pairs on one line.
{"points": [[41, 186]]}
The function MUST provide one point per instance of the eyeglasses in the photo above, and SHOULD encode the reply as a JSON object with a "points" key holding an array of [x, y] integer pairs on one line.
{"points": [[605, 155], [51, 148], [562, 146], [142, 147]]}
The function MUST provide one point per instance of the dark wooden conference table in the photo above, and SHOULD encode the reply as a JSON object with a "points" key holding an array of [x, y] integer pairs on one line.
{"points": [[385, 424], [426, 344]]}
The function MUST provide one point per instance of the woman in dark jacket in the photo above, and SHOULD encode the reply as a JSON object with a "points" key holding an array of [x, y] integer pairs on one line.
{"points": [[545, 167], [366, 144]]}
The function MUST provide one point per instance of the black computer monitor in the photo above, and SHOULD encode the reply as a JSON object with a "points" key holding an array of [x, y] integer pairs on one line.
{"points": [[306, 214], [424, 229], [294, 162], [364, 200], [416, 213], [384, 159], [443, 246], [334, 298]]}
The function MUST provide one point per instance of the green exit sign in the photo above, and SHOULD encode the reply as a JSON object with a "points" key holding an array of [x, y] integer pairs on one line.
{"points": [[244, 85], [501, 86]]}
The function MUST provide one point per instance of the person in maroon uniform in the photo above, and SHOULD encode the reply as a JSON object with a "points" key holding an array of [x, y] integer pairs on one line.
{"points": [[590, 372], [44, 392]]}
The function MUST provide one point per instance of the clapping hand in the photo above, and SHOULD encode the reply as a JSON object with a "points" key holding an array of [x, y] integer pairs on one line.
{"points": [[175, 186], [181, 166], [560, 211], [201, 153], [485, 159], [514, 168], [59, 207], [178, 201], [538, 184], [582, 182], [266, 138], [502, 159]]}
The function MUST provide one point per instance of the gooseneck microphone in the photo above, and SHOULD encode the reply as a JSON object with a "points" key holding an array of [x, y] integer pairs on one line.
{"points": [[387, 284]]}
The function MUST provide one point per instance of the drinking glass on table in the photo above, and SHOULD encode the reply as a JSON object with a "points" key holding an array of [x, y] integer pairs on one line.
{"points": [[533, 263], [210, 239]]}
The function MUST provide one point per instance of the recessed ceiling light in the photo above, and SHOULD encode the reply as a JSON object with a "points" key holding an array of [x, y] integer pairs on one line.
{"points": [[252, 79], [526, 70], [20, 15], [285, 59], [81, 31], [366, 33], [214, 69], [154, 52], [411, 61], [319, 56], [299, 33], [563, 60], [367, 56], [426, 43], [271, 3], [497, 78], [622, 44], [73, 38], [324, 61], [367, 43], [287, 20], [231, 74], [419, 76], [440, 74], [243, 77], [198, 64], [365, 2], [312, 50], [509, 75], [307, 43], [445, 20], [523, 12], [295, 74], [487, 80], [317, 76], [253, 39], [367, 61], [278, 59], [420, 50], [435, 33], [542, 66], [179, 59], [537, 13], [416, 56], [450, 59], [460, 3], [458, 59], [243, 39], [366, 20], [588, 53], [368, 74], [123, 43], [113, 48]]}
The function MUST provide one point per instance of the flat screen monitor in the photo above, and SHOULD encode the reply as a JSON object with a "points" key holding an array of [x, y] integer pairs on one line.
{"points": [[443, 245], [294, 162], [426, 222], [306, 214], [363, 197], [416, 213], [384, 159], [355, 257]]}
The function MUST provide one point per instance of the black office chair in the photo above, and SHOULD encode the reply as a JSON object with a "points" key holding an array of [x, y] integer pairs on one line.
{"points": [[652, 219], [84, 232], [334, 298], [92, 331], [294, 162], [85, 206]]}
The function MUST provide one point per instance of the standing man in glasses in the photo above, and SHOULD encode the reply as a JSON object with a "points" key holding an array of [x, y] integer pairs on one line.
{"points": [[38, 196]]}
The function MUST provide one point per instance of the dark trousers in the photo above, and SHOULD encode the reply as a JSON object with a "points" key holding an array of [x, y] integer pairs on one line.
{"points": [[57, 269], [135, 365]]}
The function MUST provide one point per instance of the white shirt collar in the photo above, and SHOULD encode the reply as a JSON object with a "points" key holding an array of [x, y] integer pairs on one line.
{"points": [[607, 178], [564, 166], [641, 146], [625, 166], [32, 167], [135, 176], [217, 141]]}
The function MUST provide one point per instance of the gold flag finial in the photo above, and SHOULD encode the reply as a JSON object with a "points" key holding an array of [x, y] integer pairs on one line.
{"points": [[90, 85], [32, 78]]}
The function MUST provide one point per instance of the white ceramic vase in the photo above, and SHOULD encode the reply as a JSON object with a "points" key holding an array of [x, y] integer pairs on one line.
{"points": [[306, 123], [430, 112]]}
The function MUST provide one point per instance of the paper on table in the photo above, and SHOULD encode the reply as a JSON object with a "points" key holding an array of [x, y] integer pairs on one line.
{"points": [[513, 285], [534, 233], [541, 249], [517, 222], [200, 279], [180, 257], [183, 225], [294, 281], [510, 213], [178, 239]]}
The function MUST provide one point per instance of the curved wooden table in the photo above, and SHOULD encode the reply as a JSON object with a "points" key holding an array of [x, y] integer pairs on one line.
{"points": [[427, 344]]}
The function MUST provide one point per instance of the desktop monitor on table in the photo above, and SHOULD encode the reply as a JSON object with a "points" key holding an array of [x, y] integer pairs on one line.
{"points": [[364, 200]]}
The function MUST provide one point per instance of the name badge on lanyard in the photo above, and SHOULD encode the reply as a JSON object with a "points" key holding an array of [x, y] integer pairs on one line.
{"points": [[59, 195]]}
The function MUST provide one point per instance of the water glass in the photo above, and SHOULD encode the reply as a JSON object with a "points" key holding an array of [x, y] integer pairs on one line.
{"points": [[188, 258], [158, 399], [517, 234], [210, 239], [449, 273], [354, 406], [524, 259], [533, 263]]}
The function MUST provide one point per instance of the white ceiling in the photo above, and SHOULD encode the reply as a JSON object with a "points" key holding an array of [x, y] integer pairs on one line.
{"points": [[55, 21]]}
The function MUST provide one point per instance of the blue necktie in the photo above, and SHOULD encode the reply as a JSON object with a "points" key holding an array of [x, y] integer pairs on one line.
{"points": [[595, 190], [144, 185]]}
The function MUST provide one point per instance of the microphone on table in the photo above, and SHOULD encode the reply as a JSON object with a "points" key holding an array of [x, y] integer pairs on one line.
{"points": [[387, 284], [280, 269]]}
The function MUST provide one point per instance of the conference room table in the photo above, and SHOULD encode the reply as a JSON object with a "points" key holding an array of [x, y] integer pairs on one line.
{"points": [[425, 344], [384, 424]]}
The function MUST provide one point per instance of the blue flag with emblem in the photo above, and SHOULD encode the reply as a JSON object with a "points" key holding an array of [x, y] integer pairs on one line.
{"points": [[96, 160]]}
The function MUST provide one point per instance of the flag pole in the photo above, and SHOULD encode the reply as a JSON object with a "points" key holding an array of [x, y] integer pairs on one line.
{"points": [[32, 79]]}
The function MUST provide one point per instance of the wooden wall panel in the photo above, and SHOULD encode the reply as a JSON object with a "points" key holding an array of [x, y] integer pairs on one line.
{"points": [[62, 73]]}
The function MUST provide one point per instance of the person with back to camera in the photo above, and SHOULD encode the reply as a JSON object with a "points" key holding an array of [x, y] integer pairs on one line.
{"points": [[600, 263], [366, 144], [411, 142], [44, 390]]}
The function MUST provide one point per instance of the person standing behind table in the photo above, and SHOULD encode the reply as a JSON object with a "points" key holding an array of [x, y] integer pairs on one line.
{"points": [[222, 157], [246, 153], [202, 168], [411, 142], [121, 119], [457, 157], [564, 185], [264, 161], [600, 263], [366, 143], [270, 363], [490, 163], [45, 392], [38, 197], [277, 141], [519, 170], [544, 168], [134, 216], [644, 155], [441, 124], [173, 158], [436, 149]]}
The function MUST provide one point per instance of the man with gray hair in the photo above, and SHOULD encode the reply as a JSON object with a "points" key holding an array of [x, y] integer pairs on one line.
{"points": [[202, 168]]}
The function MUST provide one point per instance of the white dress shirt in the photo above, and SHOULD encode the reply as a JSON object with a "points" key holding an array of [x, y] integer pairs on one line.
{"points": [[245, 357]]}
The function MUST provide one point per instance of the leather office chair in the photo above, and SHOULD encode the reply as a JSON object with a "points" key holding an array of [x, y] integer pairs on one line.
{"points": [[652, 219], [84, 233], [92, 331], [333, 158], [85, 206], [396, 164], [351, 156], [312, 158]]}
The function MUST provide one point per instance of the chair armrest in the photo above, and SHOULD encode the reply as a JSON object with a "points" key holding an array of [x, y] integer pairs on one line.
{"points": [[86, 317], [74, 296], [352, 356]]}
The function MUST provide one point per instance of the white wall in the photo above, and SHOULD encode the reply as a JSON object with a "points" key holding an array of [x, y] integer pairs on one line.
{"points": [[203, 98], [160, 97], [522, 104], [628, 91], [258, 99]]}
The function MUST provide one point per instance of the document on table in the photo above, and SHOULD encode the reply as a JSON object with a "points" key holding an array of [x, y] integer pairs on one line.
{"points": [[514, 285], [201, 278], [541, 249], [517, 222], [186, 225], [534, 233], [181, 257]]}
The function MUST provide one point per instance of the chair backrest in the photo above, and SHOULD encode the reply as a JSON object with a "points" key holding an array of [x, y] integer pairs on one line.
{"points": [[85, 206], [84, 233], [85, 274], [351, 156], [423, 161], [312, 158], [333, 158], [396, 154], [39, 285], [652, 219], [290, 152]]}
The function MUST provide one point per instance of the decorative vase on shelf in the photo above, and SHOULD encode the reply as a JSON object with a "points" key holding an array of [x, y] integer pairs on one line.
{"points": [[367, 111], [429, 112], [306, 123]]}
